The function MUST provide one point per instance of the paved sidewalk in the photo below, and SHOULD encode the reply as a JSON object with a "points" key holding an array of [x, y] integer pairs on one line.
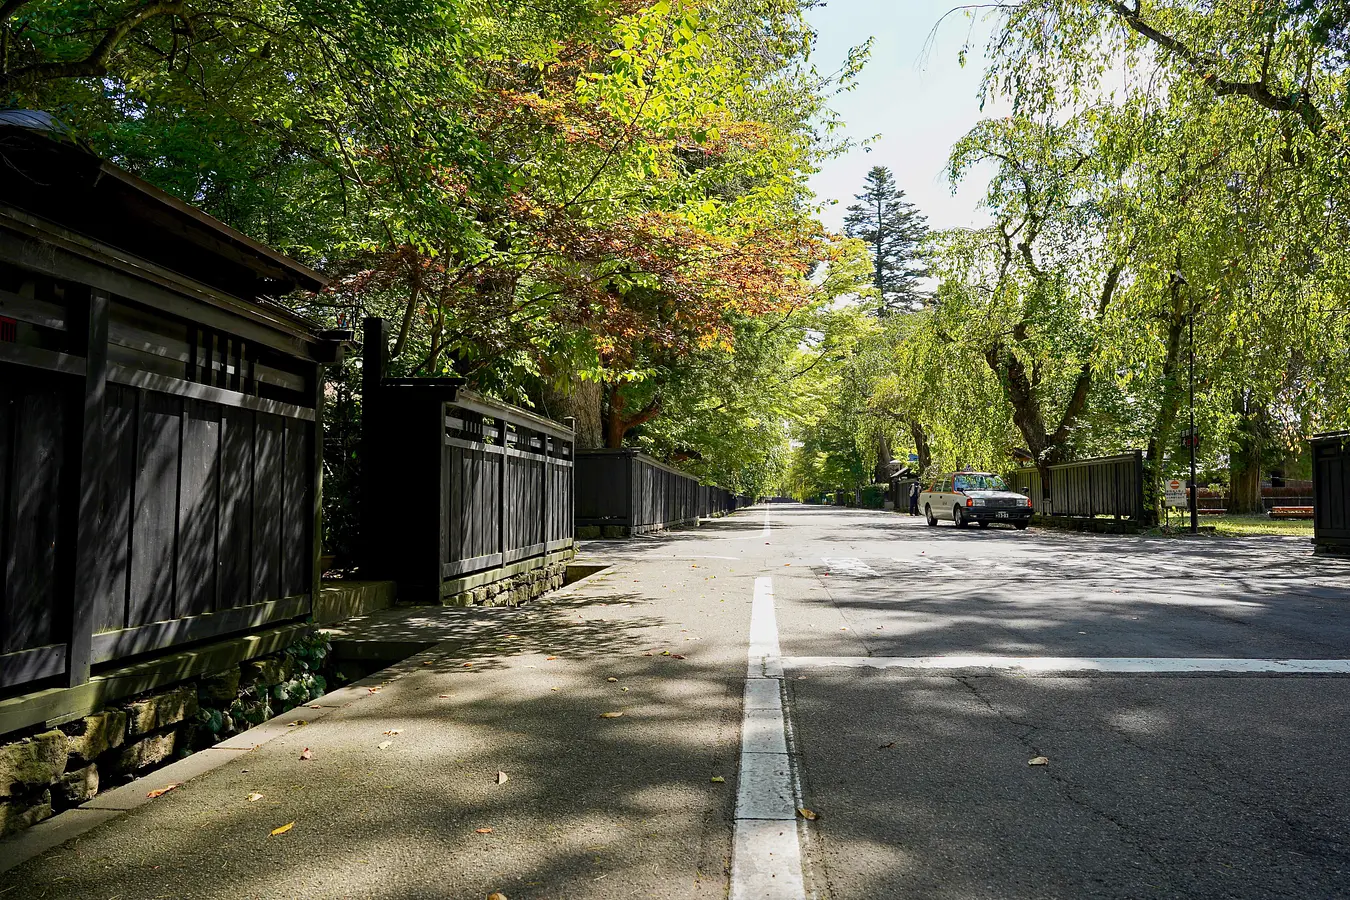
{"points": [[595, 807]]}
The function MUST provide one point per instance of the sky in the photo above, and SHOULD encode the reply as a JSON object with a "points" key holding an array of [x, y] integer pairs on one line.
{"points": [[913, 93]]}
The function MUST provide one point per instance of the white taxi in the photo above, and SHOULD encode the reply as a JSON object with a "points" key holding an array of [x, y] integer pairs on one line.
{"points": [[980, 497]]}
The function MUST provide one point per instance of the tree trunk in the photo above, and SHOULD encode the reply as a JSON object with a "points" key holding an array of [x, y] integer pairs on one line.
{"points": [[617, 422], [582, 401], [921, 446], [1244, 459], [1164, 426], [882, 472]]}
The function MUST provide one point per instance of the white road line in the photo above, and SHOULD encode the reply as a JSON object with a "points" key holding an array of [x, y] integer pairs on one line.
{"points": [[766, 855], [849, 565], [1111, 664]]}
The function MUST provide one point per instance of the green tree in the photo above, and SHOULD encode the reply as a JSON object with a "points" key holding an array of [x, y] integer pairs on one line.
{"points": [[893, 230]]}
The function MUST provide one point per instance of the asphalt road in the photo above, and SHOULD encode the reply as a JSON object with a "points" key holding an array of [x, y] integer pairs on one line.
{"points": [[1157, 785]]}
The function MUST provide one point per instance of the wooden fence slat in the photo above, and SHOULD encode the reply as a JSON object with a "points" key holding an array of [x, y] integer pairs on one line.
{"points": [[234, 571], [267, 510], [34, 517], [198, 509], [296, 509]]}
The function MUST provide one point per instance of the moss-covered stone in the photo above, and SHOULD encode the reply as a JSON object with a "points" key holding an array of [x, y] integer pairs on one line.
{"points": [[168, 708], [91, 737], [17, 813], [147, 751], [32, 763], [76, 786], [267, 671], [219, 689]]}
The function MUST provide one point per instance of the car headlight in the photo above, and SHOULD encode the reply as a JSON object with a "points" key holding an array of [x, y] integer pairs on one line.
{"points": [[979, 501]]}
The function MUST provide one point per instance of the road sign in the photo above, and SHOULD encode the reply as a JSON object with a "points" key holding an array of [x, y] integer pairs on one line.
{"points": [[1176, 493]]}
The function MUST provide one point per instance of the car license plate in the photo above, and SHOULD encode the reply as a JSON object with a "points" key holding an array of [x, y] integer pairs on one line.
{"points": [[1000, 515]]}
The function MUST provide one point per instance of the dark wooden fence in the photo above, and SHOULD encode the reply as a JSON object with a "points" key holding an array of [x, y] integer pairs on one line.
{"points": [[1331, 492], [625, 492], [158, 461], [1105, 486], [458, 488]]}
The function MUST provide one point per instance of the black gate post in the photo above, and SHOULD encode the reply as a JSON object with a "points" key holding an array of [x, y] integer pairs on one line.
{"points": [[374, 359]]}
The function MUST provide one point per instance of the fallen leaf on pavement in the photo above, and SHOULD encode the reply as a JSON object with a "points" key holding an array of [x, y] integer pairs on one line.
{"points": [[282, 830], [373, 690], [385, 745], [159, 792], [1038, 761], [611, 680], [444, 697], [887, 746], [252, 798], [295, 723], [496, 896], [549, 658], [467, 666], [610, 715], [623, 689], [665, 652], [394, 731], [502, 778], [427, 663], [305, 754], [807, 814], [487, 830], [718, 779], [676, 656]]}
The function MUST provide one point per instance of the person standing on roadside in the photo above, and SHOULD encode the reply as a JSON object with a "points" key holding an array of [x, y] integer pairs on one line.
{"points": [[914, 498]]}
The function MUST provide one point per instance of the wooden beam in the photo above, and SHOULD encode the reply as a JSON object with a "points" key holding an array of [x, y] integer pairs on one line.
{"points": [[34, 244], [316, 488], [91, 314]]}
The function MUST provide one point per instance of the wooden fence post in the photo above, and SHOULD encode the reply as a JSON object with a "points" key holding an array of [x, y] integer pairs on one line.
{"points": [[501, 490], [316, 487], [89, 327]]}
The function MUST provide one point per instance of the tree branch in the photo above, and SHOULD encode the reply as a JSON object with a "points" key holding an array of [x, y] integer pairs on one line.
{"points": [[1204, 66], [94, 65]]}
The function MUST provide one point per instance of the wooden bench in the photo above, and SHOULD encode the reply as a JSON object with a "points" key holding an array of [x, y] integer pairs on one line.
{"points": [[1291, 512]]}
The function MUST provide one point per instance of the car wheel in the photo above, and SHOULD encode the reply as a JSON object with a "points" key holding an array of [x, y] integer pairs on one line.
{"points": [[983, 523], [958, 517], [928, 514], [1020, 526]]}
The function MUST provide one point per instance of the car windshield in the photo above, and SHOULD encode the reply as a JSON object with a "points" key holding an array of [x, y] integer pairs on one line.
{"points": [[979, 482]]}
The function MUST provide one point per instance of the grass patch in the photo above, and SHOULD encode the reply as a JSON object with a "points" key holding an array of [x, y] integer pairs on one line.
{"points": [[1245, 526]]}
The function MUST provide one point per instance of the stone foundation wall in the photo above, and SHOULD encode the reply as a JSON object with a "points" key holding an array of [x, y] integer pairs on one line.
{"points": [[593, 532], [58, 768], [514, 590]]}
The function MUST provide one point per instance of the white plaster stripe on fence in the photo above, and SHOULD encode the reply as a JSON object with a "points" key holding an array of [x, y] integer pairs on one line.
{"points": [[1106, 664], [766, 858]]}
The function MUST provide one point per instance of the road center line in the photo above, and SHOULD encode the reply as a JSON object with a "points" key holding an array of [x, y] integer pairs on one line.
{"points": [[1108, 664], [766, 856]]}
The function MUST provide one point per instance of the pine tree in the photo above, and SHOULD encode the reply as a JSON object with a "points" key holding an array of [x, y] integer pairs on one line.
{"points": [[892, 228]]}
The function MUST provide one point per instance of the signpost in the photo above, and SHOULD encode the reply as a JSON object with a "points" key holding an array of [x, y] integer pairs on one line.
{"points": [[1176, 494]]}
